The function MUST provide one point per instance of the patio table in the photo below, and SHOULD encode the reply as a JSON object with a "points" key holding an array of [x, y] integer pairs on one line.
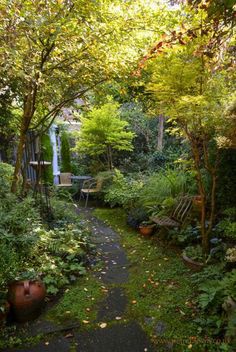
{"points": [[79, 181]]}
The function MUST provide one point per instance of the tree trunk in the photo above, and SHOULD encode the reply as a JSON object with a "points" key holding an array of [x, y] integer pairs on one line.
{"points": [[19, 157], [160, 133], [196, 152], [109, 158], [28, 113]]}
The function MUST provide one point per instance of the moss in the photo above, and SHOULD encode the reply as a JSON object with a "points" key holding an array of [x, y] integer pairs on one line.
{"points": [[79, 302], [160, 287]]}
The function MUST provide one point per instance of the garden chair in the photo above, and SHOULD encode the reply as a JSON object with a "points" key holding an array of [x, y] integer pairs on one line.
{"points": [[65, 179], [178, 216], [91, 186]]}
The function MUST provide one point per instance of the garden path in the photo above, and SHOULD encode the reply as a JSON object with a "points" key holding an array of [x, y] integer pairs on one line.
{"points": [[114, 334]]}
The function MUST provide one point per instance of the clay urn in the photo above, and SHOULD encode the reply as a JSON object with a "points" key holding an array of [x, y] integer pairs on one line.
{"points": [[26, 298]]}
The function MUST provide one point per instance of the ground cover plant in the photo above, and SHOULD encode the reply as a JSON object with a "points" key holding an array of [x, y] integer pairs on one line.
{"points": [[163, 293], [57, 252]]}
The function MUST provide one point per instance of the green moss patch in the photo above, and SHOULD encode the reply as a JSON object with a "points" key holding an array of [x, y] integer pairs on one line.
{"points": [[79, 302]]}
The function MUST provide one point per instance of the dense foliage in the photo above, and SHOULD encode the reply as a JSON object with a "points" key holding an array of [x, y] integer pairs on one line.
{"points": [[30, 249], [65, 153]]}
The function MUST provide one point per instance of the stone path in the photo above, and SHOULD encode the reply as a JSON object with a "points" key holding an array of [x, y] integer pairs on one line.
{"points": [[118, 337]]}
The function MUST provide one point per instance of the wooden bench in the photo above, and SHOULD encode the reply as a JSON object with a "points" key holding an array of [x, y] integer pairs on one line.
{"points": [[178, 216]]}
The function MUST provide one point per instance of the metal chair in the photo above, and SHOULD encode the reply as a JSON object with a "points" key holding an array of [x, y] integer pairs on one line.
{"points": [[91, 186]]}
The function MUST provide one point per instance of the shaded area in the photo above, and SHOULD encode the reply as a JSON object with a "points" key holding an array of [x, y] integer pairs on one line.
{"points": [[113, 306], [117, 338]]}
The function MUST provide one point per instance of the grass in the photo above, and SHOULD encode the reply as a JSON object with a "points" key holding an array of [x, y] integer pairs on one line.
{"points": [[160, 289], [79, 303]]}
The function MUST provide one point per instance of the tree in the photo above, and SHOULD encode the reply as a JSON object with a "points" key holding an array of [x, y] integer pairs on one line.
{"points": [[103, 131], [55, 51], [187, 91], [65, 153]]}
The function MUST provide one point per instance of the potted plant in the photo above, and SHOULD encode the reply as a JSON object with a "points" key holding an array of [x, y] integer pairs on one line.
{"points": [[197, 201], [136, 216], [193, 257], [146, 228], [26, 296]]}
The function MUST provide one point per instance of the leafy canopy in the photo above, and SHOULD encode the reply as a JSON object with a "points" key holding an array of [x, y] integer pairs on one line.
{"points": [[103, 128]]}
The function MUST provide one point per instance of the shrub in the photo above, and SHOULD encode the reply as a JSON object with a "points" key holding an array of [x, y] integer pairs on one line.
{"points": [[47, 154], [124, 191], [215, 301], [162, 189], [227, 226], [6, 173], [10, 263], [65, 153], [136, 216]]}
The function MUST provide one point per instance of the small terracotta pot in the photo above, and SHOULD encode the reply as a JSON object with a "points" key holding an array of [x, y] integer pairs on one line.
{"points": [[146, 230], [197, 202], [192, 264], [26, 299]]}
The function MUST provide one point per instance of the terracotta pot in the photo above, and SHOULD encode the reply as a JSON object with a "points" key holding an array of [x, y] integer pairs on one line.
{"points": [[192, 264], [197, 202], [146, 230], [26, 299]]}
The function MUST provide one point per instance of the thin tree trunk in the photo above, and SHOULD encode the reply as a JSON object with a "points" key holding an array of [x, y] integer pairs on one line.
{"points": [[160, 133], [197, 160], [29, 108], [19, 158]]}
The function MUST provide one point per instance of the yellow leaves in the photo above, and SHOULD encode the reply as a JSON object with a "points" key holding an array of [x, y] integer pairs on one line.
{"points": [[85, 321], [103, 325]]}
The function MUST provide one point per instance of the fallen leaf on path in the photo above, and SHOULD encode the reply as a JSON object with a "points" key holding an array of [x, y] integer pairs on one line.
{"points": [[88, 309], [67, 336], [85, 321], [103, 325], [85, 289], [134, 302], [46, 343], [118, 318]]}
